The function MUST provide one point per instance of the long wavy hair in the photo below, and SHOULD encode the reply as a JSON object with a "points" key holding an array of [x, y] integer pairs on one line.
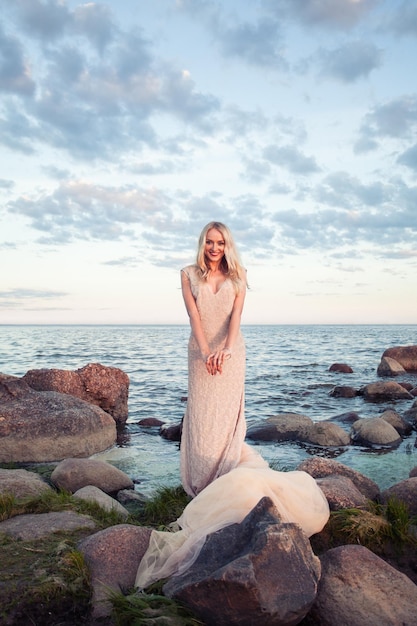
{"points": [[230, 264]]}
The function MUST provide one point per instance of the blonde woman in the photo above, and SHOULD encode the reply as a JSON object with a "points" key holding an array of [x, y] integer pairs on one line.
{"points": [[214, 426]]}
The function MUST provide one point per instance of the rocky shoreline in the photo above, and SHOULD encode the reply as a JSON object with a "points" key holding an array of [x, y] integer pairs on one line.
{"points": [[269, 573]]}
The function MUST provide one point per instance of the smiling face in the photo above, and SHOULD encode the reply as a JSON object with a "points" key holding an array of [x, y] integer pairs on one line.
{"points": [[214, 246]]}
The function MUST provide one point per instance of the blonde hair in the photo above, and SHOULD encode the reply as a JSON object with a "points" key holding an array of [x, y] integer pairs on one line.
{"points": [[230, 264]]}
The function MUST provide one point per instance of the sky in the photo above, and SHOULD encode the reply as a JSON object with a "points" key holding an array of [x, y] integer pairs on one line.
{"points": [[127, 125]]}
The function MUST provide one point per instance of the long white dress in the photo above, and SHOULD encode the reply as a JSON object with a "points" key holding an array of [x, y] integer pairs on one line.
{"points": [[214, 426], [228, 476]]}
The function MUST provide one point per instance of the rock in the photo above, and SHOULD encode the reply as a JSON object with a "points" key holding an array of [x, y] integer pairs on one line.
{"points": [[341, 391], [261, 571], [405, 491], [21, 483], [341, 367], [113, 556], [39, 426], [73, 474], [172, 433], [150, 422], [389, 367], [341, 493], [382, 391], [357, 588], [374, 431], [320, 468], [94, 494], [38, 525], [328, 434], [346, 418], [402, 427], [282, 427], [411, 414], [413, 472], [106, 387], [404, 355], [128, 496]]}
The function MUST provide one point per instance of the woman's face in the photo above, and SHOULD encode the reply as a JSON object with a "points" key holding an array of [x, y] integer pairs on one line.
{"points": [[214, 248]]}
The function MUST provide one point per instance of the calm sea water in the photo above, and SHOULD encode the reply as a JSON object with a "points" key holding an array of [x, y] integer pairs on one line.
{"points": [[287, 371]]}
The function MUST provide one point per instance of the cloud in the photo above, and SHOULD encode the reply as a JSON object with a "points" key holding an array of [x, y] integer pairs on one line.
{"points": [[291, 158], [44, 20], [340, 14], [21, 297], [349, 62], [409, 158], [394, 119], [14, 69], [404, 20], [258, 44]]}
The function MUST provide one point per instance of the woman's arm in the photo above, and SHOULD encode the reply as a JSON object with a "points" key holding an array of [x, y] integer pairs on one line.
{"points": [[195, 322], [222, 355]]}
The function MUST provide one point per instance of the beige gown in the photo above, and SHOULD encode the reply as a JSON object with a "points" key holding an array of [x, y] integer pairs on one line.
{"points": [[214, 423], [227, 474]]}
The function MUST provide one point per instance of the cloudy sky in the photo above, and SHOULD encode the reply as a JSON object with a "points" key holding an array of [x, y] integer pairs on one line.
{"points": [[127, 125]]}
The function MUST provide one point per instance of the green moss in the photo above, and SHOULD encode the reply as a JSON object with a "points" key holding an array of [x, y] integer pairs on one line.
{"points": [[140, 609]]}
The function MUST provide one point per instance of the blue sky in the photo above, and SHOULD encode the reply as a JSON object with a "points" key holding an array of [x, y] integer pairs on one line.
{"points": [[126, 126]]}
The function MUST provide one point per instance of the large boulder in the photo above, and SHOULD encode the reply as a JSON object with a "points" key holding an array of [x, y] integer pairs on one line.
{"points": [[261, 571], [90, 493], [32, 526], [113, 556], [319, 467], [401, 425], [405, 491], [22, 484], [404, 355], [328, 434], [341, 493], [103, 386], [74, 474], [281, 427], [375, 431], [389, 367], [357, 587], [383, 391], [39, 426]]}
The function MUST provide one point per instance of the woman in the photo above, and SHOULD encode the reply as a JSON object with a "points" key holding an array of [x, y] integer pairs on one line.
{"points": [[214, 424], [225, 476]]}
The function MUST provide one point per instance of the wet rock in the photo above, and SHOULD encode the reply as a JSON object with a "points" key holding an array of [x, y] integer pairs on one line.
{"points": [[73, 474], [402, 427], [106, 387], [384, 596], [150, 422], [319, 467], [411, 414], [341, 368], [94, 494], [282, 427], [328, 434], [382, 391], [171, 432], [21, 483], [404, 355], [39, 426], [346, 418], [261, 571], [389, 367], [340, 391], [38, 525], [405, 491], [374, 431], [341, 493], [113, 556]]}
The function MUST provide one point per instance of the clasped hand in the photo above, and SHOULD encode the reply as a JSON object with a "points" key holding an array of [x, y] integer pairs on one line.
{"points": [[215, 360]]}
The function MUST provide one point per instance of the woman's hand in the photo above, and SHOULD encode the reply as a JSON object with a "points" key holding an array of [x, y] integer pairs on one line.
{"points": [[216, 360]]}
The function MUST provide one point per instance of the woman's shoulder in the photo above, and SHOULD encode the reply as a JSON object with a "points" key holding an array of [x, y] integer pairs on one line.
{"points": [[191, 271]]}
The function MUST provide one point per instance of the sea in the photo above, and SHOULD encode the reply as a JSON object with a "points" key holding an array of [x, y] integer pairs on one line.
{"points": [[287, 370]]}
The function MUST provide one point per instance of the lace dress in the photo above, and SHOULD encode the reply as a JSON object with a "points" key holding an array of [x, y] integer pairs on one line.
{"points": [[214, 424]]}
